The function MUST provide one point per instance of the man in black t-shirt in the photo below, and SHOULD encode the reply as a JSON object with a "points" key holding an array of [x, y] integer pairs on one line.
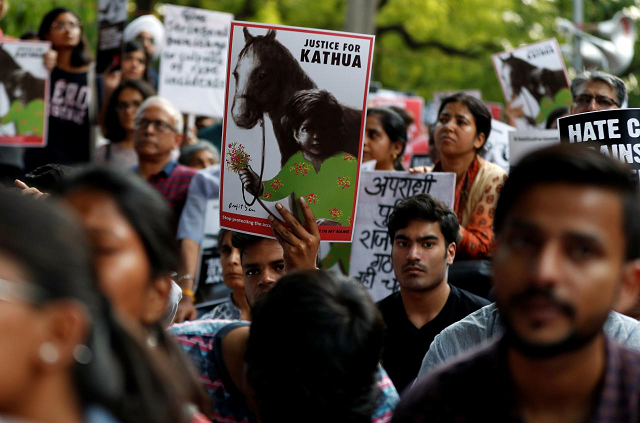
{"points": [[423, 233]]}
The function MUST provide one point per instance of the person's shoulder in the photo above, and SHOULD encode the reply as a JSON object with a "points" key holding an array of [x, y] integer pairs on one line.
{"points": [[182, 170], [623, 329], [491, 169], [205, 328], [451, 390], [390, 302], [469, 300], [474, 328]]}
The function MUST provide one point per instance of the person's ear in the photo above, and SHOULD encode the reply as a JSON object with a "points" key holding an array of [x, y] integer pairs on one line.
{"points": [[65, 327], [396, 148], [156, 297], [630, 288], [451, 253], [479, 141], [178, 140]]}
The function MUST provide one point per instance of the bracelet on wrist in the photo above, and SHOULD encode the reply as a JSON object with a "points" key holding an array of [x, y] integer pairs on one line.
{"points": [[185, 277], [189, 293]]}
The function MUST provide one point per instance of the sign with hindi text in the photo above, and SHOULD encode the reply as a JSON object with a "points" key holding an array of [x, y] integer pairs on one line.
{"points": [[371, 248], [194, 59]]}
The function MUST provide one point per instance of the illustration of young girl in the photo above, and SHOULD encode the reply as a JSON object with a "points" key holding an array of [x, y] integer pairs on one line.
{"points": [[320, 171]]}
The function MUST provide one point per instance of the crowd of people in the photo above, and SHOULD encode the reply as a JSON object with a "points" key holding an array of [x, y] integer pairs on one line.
{"points": [[100, 235]]}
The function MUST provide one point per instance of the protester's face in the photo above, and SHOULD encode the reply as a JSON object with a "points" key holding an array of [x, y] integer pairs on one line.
{"points": [[65, 31], [308, 138], [202, 159], [155, 132], [148, 41], [558, 265], [21, 334], [593, 96], [378, 146], [128, 102], [133, 64], [262, 265], [420, 256], [124, 272], [455, 131], [230, 261]]}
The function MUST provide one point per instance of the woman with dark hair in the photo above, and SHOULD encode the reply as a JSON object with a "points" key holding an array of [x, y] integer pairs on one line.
{"points": [[65, 356], [70, 114], [119, 123], [385, 138], [130, 229], [463, 126]]}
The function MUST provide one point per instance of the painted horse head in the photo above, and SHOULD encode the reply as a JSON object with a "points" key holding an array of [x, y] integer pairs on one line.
{"points": [[266, 75]]}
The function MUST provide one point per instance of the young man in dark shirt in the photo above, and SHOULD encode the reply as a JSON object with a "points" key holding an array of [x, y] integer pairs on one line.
{"points": [[423, 233], [564, 237]]}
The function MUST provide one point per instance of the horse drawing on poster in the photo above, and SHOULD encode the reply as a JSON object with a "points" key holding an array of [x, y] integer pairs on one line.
{"points": [[311, 127]]}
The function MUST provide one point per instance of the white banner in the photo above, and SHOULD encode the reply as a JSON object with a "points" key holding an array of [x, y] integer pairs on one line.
{"points": [[194, 59]]}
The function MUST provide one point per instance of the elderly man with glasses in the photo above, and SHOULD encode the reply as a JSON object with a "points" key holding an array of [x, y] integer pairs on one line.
{"points": [[597, 90], [158, 131]]}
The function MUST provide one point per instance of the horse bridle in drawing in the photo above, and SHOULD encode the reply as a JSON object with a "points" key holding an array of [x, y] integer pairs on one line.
{"points": [[257, 198]]}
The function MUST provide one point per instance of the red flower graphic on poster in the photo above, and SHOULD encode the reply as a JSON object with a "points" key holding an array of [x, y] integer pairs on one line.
{"points": [[237, 158]]}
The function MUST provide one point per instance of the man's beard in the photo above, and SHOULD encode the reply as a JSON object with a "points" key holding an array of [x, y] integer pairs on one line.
{"points": [[575, 340]]}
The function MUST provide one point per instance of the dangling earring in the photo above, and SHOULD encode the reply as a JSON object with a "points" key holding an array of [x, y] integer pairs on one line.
{"points": [[49, 353], [82, 354]]}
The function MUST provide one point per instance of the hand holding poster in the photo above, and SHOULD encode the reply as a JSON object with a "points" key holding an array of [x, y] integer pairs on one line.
{"points": [[294, 119], [379, 192], [534, 81], [193, 64], [24, 93], [615, 133]]}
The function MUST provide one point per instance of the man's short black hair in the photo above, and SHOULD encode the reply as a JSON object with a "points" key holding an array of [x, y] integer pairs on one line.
{"points": [[242, 241], [423, 207], [574, 165], [313, 350]]}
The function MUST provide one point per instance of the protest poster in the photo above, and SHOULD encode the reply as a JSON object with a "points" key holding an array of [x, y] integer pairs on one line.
{"points": [[615, 133], [293, 127], [112, 17], [193, 61], [371, 248], [24, 93], [496, 148], [533, 78], [522, 143], [210, 288]]}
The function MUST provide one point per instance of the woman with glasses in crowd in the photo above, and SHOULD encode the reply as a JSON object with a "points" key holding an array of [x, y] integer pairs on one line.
{"points": [[70, 101], [119, 123]]}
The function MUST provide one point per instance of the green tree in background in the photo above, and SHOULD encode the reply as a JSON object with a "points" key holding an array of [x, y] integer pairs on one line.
{"points": [[422, 46]]}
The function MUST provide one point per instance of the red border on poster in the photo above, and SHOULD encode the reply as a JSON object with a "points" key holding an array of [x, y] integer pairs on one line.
{"points": [[261, 226], [31, 141]]}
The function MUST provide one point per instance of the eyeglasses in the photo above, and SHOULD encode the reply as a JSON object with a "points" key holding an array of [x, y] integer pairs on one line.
{"points": [[158, 124], [602, 101], [142, 39], [59, 26], [121, 107], [20, 292]]}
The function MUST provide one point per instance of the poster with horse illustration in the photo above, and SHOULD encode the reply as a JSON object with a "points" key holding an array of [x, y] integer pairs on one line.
{"points": [[24, 93], [295, 110], [534, 82]]}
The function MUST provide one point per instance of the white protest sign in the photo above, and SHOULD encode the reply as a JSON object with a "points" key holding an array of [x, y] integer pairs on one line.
{"points": [[522, 143], [497, 145], [533, 79], [379, 192], [194, 59]]}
